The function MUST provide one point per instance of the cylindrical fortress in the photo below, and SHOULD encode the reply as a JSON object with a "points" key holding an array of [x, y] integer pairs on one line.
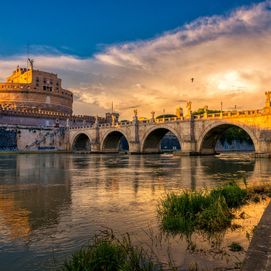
{"points": [[34, 89]]}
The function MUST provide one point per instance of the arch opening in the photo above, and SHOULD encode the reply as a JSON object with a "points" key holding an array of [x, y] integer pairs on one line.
{"points": [[226, 138], [161, 140], [81, 143], [115, 142]]}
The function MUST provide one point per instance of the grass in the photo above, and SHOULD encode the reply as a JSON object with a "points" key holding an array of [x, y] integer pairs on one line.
{"points": [[232, 193], [109, 253], [204, 211]]}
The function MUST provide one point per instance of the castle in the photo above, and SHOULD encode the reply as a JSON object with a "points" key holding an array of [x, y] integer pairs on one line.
{"points": [[32, 97], [27, 88], [34, 110]]}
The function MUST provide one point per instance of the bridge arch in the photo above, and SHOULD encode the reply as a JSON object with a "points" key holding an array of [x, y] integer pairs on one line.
{"points": [[115, 141], [81, 143], [152, 139], [207, 141]]}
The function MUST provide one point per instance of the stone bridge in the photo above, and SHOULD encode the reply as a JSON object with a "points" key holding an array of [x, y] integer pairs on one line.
{"points": [[197, 134]]}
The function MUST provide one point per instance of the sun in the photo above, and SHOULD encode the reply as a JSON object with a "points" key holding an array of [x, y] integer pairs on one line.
{"points": [[230, 81]]}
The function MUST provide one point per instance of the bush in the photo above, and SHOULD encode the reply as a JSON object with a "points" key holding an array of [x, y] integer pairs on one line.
{"points": [[108, 253], [233, 194], [178, 212], [216, 217], [209, 212]]}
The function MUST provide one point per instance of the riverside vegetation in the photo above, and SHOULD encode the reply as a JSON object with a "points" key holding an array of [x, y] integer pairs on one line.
{"points": [[107, 252], [207, 212], [203, 210]]}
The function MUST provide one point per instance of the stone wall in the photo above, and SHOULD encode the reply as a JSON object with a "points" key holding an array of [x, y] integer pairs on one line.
{"points": [[27, 139], [33, 99]]}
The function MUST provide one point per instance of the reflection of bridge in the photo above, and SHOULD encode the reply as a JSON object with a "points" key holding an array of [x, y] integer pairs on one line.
{"points": [[196, 134]]}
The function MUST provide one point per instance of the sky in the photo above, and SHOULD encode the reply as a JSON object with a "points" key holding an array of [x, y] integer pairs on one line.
{"points": [[143, 54]]}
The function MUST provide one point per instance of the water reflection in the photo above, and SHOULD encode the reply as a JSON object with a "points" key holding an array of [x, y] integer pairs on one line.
{"points": [[51, 204], [32, 192]]}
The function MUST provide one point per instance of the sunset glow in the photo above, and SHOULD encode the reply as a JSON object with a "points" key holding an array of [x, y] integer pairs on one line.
{"points": [[228, 56]]}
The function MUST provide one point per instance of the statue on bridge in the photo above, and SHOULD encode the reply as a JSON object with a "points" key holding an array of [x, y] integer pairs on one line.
{"points": [[206, 111], [267, 100], [135, 115], [96, 124], [113, 121], [189, 109], [179, 112]]}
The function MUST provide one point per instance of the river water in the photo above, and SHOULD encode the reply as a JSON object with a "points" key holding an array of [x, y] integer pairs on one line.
{"points": [[52, 204]]}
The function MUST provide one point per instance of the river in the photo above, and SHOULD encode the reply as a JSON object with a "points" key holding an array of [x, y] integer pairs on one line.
{"points": [[52, 204]]}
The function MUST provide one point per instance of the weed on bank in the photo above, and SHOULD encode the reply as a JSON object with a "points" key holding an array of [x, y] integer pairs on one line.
{"points": [[203, 210], [107, 252]]}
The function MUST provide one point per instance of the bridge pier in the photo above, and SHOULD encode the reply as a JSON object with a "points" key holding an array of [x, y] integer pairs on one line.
{"points": [[95, 147], [263, 148], [188, 148], [134, 147]]}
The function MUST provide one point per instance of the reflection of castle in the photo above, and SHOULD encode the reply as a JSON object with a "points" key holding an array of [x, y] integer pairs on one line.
{"points": [[24, 210]]}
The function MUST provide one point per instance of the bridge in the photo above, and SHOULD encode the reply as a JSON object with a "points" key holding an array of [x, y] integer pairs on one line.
{"points": [[197, 134]]}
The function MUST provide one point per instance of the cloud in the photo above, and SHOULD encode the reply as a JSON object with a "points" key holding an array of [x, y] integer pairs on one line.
{"points": [[228, 56]]}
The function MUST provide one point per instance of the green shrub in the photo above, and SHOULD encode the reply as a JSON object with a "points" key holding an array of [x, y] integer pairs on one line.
{"points": [[233, 194], [209, 212], [216, 217], [108, 253]]}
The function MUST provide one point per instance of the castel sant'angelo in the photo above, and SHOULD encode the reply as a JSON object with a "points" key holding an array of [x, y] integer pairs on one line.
{"points": [[27, 88], [33, 97]]}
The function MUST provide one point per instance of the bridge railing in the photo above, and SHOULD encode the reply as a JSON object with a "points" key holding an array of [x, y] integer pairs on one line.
{"points": [[218, 115], [229, 114]]}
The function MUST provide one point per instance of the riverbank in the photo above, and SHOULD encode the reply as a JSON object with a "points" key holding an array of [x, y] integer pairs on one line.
{"points": [[259, 252]]}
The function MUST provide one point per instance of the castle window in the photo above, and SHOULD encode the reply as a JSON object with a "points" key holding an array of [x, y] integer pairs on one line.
{"points": [[44, 87]]}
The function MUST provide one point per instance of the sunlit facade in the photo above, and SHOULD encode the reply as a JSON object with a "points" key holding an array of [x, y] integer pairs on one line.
{"points": [[27, 88]]}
